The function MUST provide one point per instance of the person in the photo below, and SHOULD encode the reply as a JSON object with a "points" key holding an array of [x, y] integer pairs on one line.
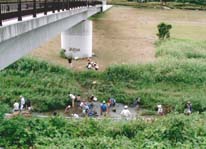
{"points": [[22, 103], [103, 109], [92, 113], [84, 106], [95, 66], [112, 102], [93, 98], [89, 64], [16, 106], [55, 113], [67, 109], [125, 113], [72, 97], [188, 107], [28, 105], [69, 58], [159, 109], [76, 116], [136, 103], [78, 100], [91, 105]]}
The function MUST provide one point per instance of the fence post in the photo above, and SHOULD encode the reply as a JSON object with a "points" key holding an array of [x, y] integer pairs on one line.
{"points": [[0, 16], [34, 7], [45, 7], [53, 6], [67, 5], [58, 5], [19, 11], [62, 5]]}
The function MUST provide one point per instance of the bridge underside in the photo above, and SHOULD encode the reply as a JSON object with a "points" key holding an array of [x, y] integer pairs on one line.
{"points": [[19, 39]]}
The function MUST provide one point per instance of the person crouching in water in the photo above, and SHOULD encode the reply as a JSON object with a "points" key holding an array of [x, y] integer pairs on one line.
{"points": [[188, 108], [159, 110], [125, 113], [103, 109]]}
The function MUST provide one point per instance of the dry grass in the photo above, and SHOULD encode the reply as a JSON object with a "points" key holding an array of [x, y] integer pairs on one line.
{"points": [[127, 35]]}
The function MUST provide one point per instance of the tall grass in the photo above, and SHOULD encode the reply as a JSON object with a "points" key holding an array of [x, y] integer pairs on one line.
{"points": [[174, 131], [173, 79], [47, 86]]}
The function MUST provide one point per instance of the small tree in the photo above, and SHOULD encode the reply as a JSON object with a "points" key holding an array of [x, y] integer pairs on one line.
{"points": [[164, 31], [62, 53]]}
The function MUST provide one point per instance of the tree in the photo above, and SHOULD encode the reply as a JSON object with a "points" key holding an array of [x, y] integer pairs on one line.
{"points": [[164, 31]]}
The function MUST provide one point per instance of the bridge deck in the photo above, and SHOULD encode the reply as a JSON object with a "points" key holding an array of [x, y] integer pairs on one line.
{"points": [[18, 9]]}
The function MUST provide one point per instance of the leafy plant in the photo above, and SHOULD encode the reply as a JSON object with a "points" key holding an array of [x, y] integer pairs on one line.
{"points": [[164, 31], [62, 53]]}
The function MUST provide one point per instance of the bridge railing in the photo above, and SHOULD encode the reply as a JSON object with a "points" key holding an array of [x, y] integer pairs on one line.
{"points": [[19, 8]]}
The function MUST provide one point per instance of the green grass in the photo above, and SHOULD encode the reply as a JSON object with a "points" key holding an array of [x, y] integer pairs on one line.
{"points": [[173, 131], [183, 50], [46, 85], [177, 76]]}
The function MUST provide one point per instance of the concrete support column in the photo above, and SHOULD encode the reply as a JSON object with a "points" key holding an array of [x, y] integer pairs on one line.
{"points": [[104, 5], [78, 40]]}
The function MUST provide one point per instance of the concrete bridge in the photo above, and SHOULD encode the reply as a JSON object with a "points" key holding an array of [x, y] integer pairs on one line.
{"points": [[25, 26]]}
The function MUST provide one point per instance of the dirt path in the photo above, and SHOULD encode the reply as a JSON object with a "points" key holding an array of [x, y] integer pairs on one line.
{"points": [[118, 37]]}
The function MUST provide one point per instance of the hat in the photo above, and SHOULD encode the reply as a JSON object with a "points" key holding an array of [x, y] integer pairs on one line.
{"points": [[125, 107], [95, 98], [69, 106], [159, 106], [104, 101]]}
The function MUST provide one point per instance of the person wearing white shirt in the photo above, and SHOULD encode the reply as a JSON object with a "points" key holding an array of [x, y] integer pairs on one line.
{"points": [[159, 109], [125, 113], [16, 107], [22, 102]]}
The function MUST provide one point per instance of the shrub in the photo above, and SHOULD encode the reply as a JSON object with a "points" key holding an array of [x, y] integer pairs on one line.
{"points": [[62, 53], [164, 30], [4, 108], [173, 131]]}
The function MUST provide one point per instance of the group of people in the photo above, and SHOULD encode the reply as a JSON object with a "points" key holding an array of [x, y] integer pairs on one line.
{"points": [[89, 108], [187, 111], [92, 65], [23, 104]]}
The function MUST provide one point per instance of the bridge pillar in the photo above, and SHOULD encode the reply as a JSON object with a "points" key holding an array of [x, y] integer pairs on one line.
{"points": [[77, 41]]}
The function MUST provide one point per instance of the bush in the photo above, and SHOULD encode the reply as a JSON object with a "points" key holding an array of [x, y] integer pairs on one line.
{"points": [[62, 53], [4, 108], [164, 30], [173, 131], [46, 85]]}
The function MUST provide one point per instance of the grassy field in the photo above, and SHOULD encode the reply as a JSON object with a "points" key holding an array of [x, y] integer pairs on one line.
{"points": [[172, 74], [158, 5], [125, 35], [177, 76]]}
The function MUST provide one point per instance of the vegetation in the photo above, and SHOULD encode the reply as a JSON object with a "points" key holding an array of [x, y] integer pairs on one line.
{"points": [[172, 4], [177, 76], [164, 31], [175, 131], [62, 53]]}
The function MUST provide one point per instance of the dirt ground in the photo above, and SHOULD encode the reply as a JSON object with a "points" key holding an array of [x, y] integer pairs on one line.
{"points": [[125, 35]]}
